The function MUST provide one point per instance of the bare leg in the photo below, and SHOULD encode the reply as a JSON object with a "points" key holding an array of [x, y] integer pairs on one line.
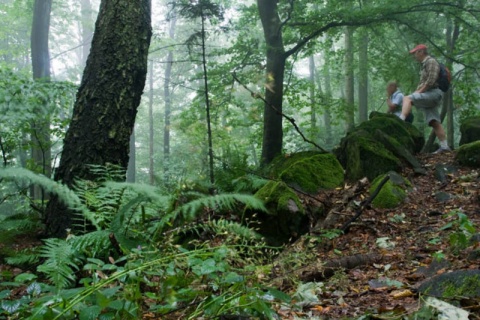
{"points": [[439, 131], [406, 107]]}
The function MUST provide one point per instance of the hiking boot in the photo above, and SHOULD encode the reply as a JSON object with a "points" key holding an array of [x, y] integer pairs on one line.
{"points": [[441, 150]]}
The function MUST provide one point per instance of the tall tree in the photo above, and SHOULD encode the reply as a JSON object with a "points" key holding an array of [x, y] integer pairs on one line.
{"points": [[363, 75], [349, 80], [40, 127], [276, 58], [168, 102], [308, 23], [151, 134], [107, 99]]}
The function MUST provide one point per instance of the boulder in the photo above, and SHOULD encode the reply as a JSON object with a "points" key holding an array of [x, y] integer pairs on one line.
{"points": [[470, 130], [294, 174], [469, 154], [455, 284], [393, 192], [382, 144]]}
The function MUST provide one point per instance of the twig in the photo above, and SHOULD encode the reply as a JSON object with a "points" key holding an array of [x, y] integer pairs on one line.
{"points": [[365, 203]]}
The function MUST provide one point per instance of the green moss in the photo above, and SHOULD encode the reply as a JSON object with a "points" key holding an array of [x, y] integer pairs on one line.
{"points": [[392, 193], [308, 171], [406, 134], [312, 173], [368, 157], [277, 195], [469, 154], [453, 286]]}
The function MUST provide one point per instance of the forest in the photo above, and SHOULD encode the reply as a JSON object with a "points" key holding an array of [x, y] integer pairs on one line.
{"points": [[180, 160]]}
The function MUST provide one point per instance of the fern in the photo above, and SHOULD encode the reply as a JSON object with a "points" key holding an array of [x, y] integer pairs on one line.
{"points": [[93, 244], [223, 227], [66, 195], [219, 203], [60, 264], [249, 183], [25, 257]]}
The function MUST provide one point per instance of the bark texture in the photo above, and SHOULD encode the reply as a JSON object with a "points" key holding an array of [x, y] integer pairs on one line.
{"points": [[276, 57], [107, 100]]}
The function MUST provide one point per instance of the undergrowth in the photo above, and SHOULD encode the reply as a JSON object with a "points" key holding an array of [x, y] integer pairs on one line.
{"points": [[183, 254]]}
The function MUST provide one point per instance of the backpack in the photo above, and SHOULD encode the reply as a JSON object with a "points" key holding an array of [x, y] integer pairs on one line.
{"points": [[444, 78]]}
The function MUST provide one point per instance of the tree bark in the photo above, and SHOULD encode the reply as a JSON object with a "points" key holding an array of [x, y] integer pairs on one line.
{"points": [[107, 99], [272, 129], [132, 160]]}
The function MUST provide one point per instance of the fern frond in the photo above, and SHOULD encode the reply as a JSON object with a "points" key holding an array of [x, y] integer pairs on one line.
{"points": [[222, 227], [60, 264], [221, 202], [249, 183], [94, 243], [24, 257], [64, 194]]}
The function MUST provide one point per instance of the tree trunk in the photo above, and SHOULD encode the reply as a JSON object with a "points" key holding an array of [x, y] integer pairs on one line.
{"points": [[349, 80], [40, 127], [107, 99], [151, 138], [168, 105], [132, 160], [272, 115], [452, 34], [327, 117], [363, 76], [313, 100]]}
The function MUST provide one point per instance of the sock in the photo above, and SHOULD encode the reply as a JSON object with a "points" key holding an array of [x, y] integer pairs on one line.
{"points": [[402, 117], [444, 144]]}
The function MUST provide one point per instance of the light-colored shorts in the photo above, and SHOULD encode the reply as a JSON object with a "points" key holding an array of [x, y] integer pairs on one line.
{"points": [[429, 103]]}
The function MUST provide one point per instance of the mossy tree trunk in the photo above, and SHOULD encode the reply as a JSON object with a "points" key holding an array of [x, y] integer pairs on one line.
{"points": [[107, 100]]}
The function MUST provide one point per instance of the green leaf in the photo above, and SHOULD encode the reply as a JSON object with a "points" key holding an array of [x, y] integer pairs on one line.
{"points": [[90, 313], [25, 277]]}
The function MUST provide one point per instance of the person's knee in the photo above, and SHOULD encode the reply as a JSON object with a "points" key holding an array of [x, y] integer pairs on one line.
{"points": [[434, 123]]}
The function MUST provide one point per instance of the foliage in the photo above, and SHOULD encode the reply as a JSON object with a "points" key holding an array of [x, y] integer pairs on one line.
{"points": [[462, 230]]}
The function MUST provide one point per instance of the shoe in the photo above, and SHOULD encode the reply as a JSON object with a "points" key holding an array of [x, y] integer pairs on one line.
{"points": [[441, 150]]}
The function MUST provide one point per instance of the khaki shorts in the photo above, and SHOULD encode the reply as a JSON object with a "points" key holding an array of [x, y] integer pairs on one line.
{"points": [[429, 103]]}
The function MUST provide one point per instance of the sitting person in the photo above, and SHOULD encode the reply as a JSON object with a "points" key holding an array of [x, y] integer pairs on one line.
{"points": [[395, 100]]}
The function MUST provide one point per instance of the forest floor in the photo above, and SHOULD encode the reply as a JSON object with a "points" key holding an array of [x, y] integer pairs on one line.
{"points": [[406, 241]]}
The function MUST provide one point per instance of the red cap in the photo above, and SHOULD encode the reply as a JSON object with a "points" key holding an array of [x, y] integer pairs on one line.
{"points": [[418, 47]]}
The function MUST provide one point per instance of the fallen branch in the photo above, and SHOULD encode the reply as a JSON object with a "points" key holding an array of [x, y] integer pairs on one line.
{"points": [[365, 203], [321, 271]]}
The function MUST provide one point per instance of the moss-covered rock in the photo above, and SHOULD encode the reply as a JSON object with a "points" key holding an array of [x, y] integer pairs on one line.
{"points": [[469, 154], [303, 172], [393, 192], [286, 218], [309, 171], [470, 130], [382, 144], [460, 284]]}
